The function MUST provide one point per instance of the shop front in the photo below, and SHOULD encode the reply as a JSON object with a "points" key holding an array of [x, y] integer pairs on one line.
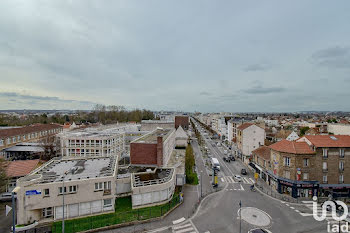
{"points": [[294, 188], [335, 190]]}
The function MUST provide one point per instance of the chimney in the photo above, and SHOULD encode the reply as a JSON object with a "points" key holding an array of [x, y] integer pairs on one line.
{"points": [[159, 151]]}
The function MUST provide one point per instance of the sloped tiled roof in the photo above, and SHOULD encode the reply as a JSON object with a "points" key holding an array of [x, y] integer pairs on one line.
{"points": [[5, 133], [292, 147], [244, 126], [263, 152], [329, 140], [21, 167]]}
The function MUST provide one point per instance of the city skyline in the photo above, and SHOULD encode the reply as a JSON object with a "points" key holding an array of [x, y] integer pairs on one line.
{"points": [[204, 56]]}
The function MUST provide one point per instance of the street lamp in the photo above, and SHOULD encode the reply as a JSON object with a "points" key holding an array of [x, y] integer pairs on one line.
{"points": [[15, 190], [63, 192], [240, 216]]}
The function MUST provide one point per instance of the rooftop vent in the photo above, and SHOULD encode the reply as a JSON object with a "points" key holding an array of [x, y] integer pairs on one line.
{"points": [[333, 138]]}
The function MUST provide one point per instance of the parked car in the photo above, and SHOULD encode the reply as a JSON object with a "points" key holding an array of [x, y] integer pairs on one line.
{"points": [[226, 159], [259, 230], [225, 152], [244, 171], [238, 178], [232, 158]]}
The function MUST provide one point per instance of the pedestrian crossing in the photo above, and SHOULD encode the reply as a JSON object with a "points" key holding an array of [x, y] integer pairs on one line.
{"points": [[309, 206], [231, 180], [187, 227]]}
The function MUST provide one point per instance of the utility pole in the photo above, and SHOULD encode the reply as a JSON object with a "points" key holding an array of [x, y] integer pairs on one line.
{"points": [[13, 212], [240, 216]]}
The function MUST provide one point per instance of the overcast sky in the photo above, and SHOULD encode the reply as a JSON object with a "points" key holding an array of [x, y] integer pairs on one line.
{"points": [[200, 55]]}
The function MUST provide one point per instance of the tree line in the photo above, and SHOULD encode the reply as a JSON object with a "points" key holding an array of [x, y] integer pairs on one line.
{"points": [[101, 113]]}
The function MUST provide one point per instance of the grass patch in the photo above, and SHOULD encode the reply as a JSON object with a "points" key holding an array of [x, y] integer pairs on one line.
{"points": [[123, 213]]}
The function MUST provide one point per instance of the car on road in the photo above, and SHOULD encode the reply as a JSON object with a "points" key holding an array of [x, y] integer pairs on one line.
{"points": [[237, 178], [338, 207], [225, 152], [226, 159], [244, 171], [232, 158], [259, 230]]}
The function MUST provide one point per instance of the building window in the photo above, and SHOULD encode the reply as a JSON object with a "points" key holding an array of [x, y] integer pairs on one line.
{"points": [[341, 152], [325, 153], [305, 176], [60, 190], [107, 203], [9, 141], [24, 137], [341, 165], [13, 139], [286, 161], [1, 142], [341, 179], [72, 189], [306, 162], [324, 166], [46, 192], [47, 212], [103, 186], [324, 179]]}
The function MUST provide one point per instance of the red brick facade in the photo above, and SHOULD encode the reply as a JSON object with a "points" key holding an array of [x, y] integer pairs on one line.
{"points": [[183, 121], [147, 153]]}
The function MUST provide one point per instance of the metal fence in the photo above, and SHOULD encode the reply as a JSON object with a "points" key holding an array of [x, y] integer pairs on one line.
{"points": [[98, 221]]}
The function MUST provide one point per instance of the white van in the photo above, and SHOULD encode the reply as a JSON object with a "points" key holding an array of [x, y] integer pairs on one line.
{"points": [[215, 163]]}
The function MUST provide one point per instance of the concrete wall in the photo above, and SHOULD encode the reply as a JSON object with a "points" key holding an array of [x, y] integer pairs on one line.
{"points": [[29, 207], [252, 138], [168, 147], [339, 129]]}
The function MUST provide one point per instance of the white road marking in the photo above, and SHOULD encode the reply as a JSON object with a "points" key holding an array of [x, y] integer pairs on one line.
{"points": [[222, 180], [242, 187], [179, 220], [292, 207], [182, 226], [297, 211], [252, 180], [305, 214]]}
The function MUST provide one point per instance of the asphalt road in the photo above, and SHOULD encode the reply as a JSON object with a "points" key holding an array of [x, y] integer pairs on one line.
{"points": [[219, 213]]}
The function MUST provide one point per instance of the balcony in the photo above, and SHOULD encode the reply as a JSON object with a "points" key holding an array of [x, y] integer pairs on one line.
{"points": [[107, 192]]}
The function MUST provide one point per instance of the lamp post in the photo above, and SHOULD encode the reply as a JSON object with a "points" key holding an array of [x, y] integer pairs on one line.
{"points": [[63, 192], [240, 216]]}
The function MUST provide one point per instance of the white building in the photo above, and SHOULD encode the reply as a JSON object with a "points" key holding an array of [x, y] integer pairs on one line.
{"points": [[93, 142], [339, 129], [249, 138], [88, 186], [292, 136]]}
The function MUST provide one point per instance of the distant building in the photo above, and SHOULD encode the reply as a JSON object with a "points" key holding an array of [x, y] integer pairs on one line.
{"points": [[150, 125], [92, 142], [181, 138], [292, 136], [33, 133], [182, 121], [249, 138]]}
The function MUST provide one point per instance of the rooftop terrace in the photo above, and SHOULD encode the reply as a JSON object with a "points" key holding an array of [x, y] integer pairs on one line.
{"points": [[158, 176]]}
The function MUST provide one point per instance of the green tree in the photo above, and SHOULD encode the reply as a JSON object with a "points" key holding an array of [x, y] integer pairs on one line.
{"points": [[303, 130], [3, 177]]}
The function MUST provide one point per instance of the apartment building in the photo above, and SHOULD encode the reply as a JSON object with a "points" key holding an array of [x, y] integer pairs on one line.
{"points": [[88, 187], [154, 148], [312, 165], [332, 163], [233, 124], [33, 133], [261, 159], [92, 142], [292, 169], [249, 138]]}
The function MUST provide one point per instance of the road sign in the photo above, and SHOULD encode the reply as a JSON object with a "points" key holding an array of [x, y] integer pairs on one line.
{"points": [[215, 180], [33, 192], [8, 209]]}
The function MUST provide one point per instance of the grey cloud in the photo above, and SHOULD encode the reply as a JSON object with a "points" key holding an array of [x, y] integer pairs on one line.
{"points": [[264, 90], [45, 102], [334, 57]]}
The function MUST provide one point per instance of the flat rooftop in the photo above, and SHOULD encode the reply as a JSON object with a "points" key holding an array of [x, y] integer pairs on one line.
{"points": [[77, 169], [152, 136]]}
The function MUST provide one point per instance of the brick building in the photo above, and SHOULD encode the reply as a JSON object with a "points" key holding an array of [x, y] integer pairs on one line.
{"points": [[31, 133], [182, 121], [153, 148], [312, 165]]}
